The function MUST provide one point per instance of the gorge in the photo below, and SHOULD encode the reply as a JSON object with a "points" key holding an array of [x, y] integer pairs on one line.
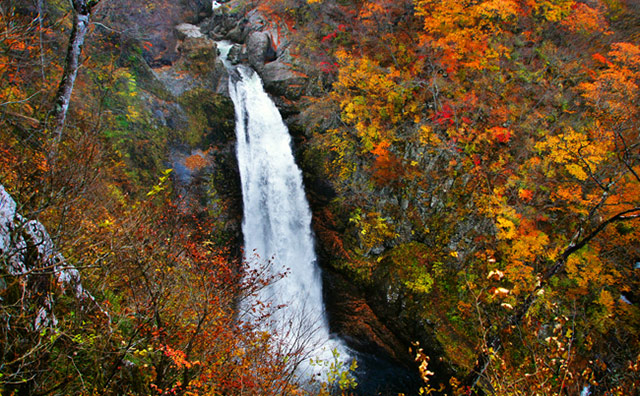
{"points": [[230, 191]]}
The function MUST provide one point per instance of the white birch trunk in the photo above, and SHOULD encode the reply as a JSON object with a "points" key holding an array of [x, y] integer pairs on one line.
{"points": [[81, 15]]}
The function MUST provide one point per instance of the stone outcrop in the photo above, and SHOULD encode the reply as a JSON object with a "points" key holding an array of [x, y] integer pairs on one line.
{"points": [[28, 254], [185, 30], [153, 22], [264, 45]]}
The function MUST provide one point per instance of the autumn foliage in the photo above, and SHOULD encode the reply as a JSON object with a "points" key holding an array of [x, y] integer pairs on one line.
{"points": [[484, 175], [164, 288], [500, 136]]}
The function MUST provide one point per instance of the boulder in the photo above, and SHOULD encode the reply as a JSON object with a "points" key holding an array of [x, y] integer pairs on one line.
{"points": [[279, 78], [226, 23], [258, 45], [238, 33], [190, 45], [187, 30], [236, 55], [154, 22]]}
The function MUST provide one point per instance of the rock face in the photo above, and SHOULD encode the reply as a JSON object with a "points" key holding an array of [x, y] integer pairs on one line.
{"points": [[28, 254], [351, 316], [383, 357], [183, 88], [258, 45], [153, 21], [264, 46]]}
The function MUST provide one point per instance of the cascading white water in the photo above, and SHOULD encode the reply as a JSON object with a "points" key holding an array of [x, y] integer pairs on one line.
{"points": [[277, 219]]}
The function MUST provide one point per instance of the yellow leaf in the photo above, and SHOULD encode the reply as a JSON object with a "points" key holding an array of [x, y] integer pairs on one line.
{"points": [[506, 228], [576, 171]]}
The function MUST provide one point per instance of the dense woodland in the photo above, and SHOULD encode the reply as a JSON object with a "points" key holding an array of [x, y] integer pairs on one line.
{"points": [[483, 165]]}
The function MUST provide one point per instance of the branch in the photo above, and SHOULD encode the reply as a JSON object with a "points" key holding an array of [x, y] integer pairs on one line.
{"points": [[107, 28], [20, 101], [32, 121], [629, 214], [577, 243]]}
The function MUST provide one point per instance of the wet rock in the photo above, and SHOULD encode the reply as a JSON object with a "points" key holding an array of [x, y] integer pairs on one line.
{"points": [[280, 78], [236, 55], [385, 366], [258, 44], [352, 318], [185, 30], [264, 48], [238, 34], [227, 22]]}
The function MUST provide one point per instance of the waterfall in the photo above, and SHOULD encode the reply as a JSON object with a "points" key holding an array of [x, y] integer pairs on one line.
{"points": [[277, 220]]}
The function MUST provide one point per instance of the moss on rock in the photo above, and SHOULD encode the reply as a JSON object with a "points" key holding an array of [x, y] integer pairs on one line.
{"points": [[211, 118]]}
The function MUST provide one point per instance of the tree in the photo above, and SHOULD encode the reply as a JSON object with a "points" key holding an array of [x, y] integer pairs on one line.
{"points": [[81, 18]]}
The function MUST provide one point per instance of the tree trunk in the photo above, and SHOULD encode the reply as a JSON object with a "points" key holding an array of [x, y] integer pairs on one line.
{"points": [[82, 12]]}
